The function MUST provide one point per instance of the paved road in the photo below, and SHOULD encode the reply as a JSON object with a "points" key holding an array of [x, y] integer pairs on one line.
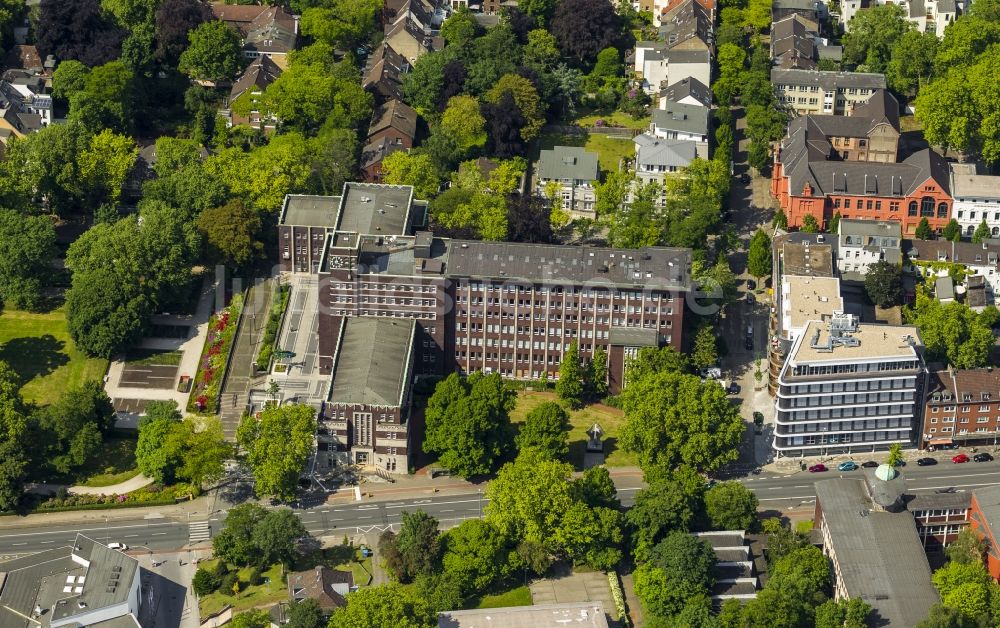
{"points": [[776, 492]]}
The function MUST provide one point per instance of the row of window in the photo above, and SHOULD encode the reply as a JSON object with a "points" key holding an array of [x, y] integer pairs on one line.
{"points": [[831, 439], [946, 430], [951, 419]]}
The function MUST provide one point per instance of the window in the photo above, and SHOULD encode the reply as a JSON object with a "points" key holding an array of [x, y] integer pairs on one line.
{"points": [[912, 211], [847, 203], [942, 210], [927, 207]]}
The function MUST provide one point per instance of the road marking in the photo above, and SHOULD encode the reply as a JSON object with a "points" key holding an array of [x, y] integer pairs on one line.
{"points": [[97, 529], [931, 488], [130, 536], [962, 475], [324, 511], [778, 499], [159, 533], [366, 517], [448, 510], [16, 544], [367, 507]]}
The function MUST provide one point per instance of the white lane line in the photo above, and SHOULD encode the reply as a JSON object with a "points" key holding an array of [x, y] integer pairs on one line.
{"points": [[130, 536], [98, 529], [960, 476], [16, 544], [931, 488], [778, 499], [448, 510], [366, 517], [159, 533]]}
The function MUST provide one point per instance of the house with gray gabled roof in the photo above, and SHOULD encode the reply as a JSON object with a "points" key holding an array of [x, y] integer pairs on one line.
{"points": [[655, 158], [861, 243], [678, 121], [793, 43], [977, 198], [687, 91], [573, 172]]}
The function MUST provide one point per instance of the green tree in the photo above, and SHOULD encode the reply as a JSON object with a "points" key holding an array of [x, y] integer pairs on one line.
{"points": [[731, 506], [463, 123], [104, 314], [546, 428], [383, 605], [571, 382], [596, 488], [541, 10], [468, 423], [252, 619], [967, 548], [843, 613], [952, 231], [69, 78], [106, 101], [872, 35], [204, 582], [967, 587], [234, 543], [541, 50], [415, 551], [276, 536], [410, 168], [679, 569], [460, 28], [759, 255], [912, 61], [160, 448], [884, 283], [705, 352], [306, 613], [232, 233], [105, 165], [277, 446], [952, 332], [214, 53], [895, 454], [27, 248], [942, 616], [670, 502], [809, 224], [286, 159], [982, 232], [834, 225], [672, 418], [597, 378], [310, 94], [611, 193], [923, 231], [528, 102], [205, 455], [341, 23], [780, 220], [475, 554]]}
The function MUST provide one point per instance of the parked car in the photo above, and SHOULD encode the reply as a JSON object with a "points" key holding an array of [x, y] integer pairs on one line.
{"points": [[734, 388], [121, 547], [983, 457], [750, 298], [748, 343], [847, 465], [751, 284], [817, 468], [960, 458], [869, 464], [926, 462]]}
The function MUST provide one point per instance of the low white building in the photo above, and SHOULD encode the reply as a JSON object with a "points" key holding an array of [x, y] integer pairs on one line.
{"points": [[661, 67], [976, 197], [927, 16], [574, 171], [861, 243], [805, 299]]}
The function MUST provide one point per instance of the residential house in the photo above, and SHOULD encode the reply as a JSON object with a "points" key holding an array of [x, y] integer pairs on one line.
{"points": [[655, 158], [384, 72], [832, 389], [428, 14], [812, 12], [573, 171], [976, 295], [927, 16], [687, 25], [683, 122], [875, 551], [861, 243], [82, 583], [661, 66], [961, 407], [977, 198], [793, 44], [246, 93], [396, 121], [408, 39], [820, 91], [984, 518], [660, 7], [23, 57], [924, 258], [734, 572], [372, 155], [687, 91], [268, 31], [327, 586]]}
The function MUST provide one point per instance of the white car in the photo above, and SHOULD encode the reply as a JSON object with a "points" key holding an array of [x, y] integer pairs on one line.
{"points": [[121, 547]]}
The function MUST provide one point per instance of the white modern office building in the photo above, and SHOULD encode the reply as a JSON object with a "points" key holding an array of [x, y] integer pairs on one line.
{"points": [[849, 387]]}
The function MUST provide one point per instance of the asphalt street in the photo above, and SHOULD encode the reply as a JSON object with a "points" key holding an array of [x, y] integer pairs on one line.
{"points": [[776, 493]]}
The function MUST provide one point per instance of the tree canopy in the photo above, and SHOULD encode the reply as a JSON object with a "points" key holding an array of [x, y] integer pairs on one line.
{"points": [[546, 428], [277, 446], [952, 332], [884, 283], [214, 53]]}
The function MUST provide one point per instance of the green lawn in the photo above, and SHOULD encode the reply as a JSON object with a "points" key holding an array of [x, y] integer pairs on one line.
{"points": [[341, 558], [271, 591], [609, 150], [114, 462], [519, 596], [909, 123], [610, 420], [617, 118], [39, 349], [153, 357]]}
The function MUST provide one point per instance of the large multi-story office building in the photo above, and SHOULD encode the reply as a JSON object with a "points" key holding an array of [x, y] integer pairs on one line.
{"points": [[849, 387], [494, 307]]}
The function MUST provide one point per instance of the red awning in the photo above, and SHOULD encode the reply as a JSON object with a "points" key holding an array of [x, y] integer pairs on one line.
{"points": [[940, 441]]}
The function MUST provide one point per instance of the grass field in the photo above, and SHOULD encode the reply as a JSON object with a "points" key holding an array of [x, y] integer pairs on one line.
{"points": [[152, 357], [609, 150], [271, 591], [39, 349], [610, 420], [519, 596], [616, 118]]}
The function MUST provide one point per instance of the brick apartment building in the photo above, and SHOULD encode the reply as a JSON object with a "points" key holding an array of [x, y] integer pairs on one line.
{"points": [[829, 164], [984, 517], [495, 307], [962, 406]]}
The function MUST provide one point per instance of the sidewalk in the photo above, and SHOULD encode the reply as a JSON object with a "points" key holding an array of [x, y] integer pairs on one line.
{"points": [[115, 489]]}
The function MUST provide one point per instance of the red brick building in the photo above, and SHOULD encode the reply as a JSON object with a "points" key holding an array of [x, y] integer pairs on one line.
{"points": [[815, 175], [984, 517], [961, 407]]}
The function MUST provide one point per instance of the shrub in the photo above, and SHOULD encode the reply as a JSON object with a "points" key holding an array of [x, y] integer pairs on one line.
{"points": [[227, 582], [256, 577], [204, 582]]}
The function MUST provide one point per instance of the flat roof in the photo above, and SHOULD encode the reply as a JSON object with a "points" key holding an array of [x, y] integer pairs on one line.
{"points": [[653, 268], [306, 210], [807, 259], [375, 208], [875, 342], [880, 556], [805, 299], [60, 579], [373, 361], [576, 614]]}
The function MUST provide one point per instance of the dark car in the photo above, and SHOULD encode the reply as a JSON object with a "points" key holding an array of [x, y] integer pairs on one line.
{"points": [[750, 298], [983, 457], [869, 464], [817, 468], [748, 343], [734, 388], [751, 284], [926, 462], [744, 178]]}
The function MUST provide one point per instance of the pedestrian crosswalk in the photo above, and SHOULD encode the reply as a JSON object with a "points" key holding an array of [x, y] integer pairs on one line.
{"points": [[199, 531]]}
